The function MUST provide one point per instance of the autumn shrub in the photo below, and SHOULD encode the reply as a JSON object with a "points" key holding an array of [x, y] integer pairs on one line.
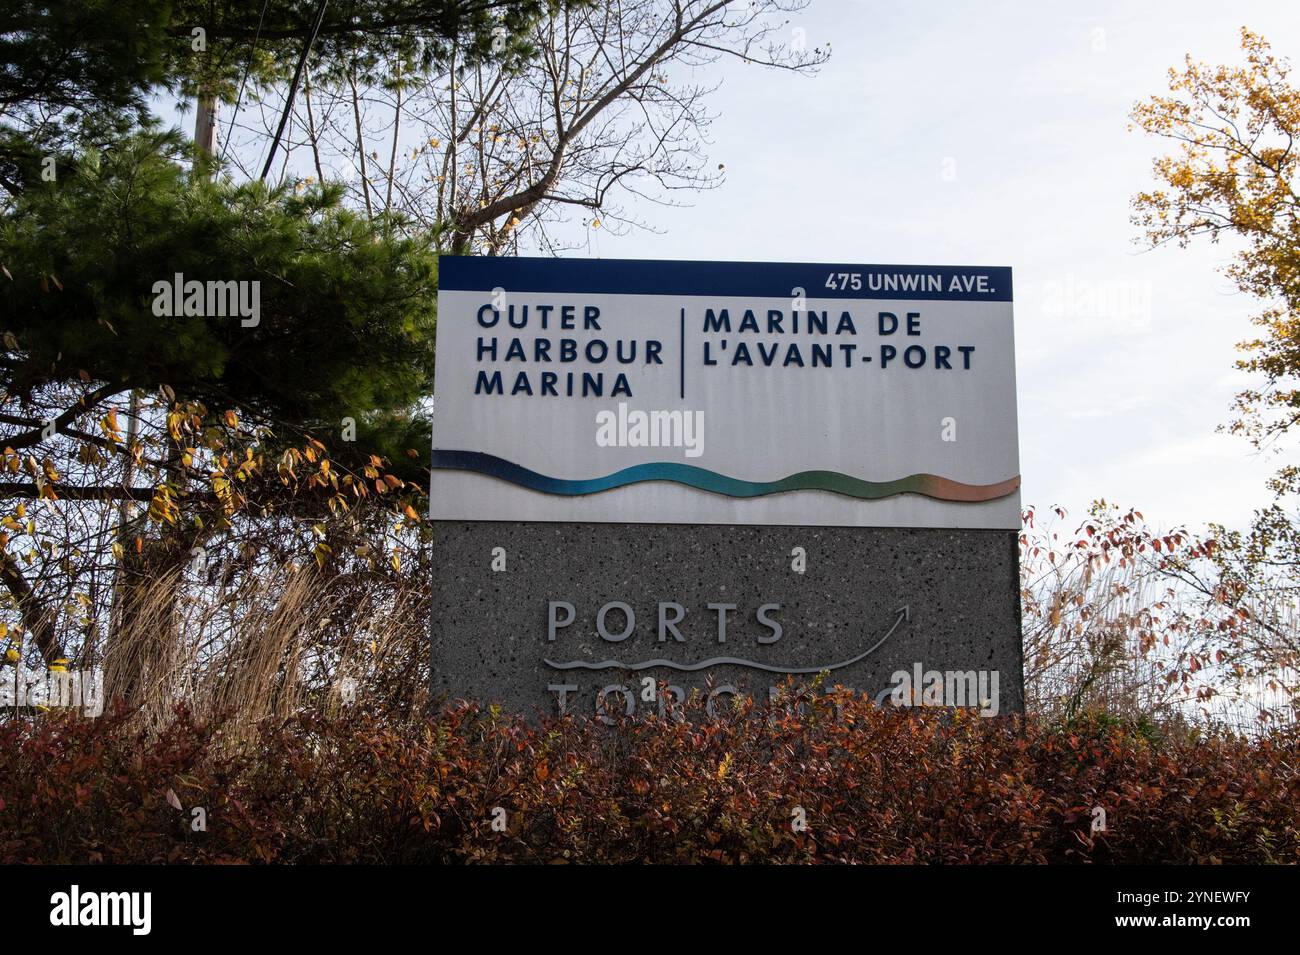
{"points": [[829, 779]]}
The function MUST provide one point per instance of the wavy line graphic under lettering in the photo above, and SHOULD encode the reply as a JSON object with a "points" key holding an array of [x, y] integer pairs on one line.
{"points": [[927, 485]]}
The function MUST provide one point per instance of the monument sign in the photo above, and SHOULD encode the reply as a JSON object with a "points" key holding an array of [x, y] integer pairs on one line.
{"points": [[717, 475]]}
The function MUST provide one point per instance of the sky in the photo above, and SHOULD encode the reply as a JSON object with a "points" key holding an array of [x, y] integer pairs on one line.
{"points": [[997, 134]]}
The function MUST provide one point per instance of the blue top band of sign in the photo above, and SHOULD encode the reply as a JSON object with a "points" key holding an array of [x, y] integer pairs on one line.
{"points": [[952, 283]]}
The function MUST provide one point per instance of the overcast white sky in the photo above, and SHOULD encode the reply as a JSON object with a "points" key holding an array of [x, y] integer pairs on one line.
{"points": [[996, 134]]}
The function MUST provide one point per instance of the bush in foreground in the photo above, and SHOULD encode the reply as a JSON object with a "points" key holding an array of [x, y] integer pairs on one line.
{"points": [[872, 784]]}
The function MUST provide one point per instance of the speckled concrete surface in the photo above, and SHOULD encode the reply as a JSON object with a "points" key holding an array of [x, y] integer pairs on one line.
{"points": [[489, 628]]}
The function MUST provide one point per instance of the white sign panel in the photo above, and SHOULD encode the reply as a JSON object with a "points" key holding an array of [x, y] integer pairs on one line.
{"points": [[725, 393]]}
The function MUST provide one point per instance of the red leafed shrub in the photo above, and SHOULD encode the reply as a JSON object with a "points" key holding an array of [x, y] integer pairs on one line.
{"points": [[834, 780]]}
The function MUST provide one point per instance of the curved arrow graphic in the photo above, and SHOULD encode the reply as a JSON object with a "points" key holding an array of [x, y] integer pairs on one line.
{"points": [[903, 613]]}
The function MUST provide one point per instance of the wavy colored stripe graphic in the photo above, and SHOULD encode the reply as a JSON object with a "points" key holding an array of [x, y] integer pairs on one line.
{"points": [[927, 485]]}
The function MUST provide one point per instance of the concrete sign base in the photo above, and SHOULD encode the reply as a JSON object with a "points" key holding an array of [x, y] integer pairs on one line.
{"points": [[544, 617]]}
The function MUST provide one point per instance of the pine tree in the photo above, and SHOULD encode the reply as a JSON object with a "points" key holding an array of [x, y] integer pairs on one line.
{"points": [[100, 210]]}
